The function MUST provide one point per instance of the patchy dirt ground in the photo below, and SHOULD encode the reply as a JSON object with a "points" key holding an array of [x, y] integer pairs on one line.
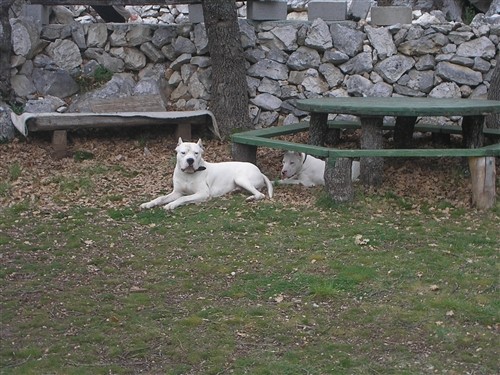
{"points": [[121, 170]]}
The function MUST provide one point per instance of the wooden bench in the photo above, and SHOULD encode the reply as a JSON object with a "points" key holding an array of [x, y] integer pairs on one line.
{"points": [[339, 185], [121, 112]]}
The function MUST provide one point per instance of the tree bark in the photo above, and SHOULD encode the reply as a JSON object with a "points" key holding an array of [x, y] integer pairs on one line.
{"points": [[6, 92], [229, 96], [5, 51], [7, 130], [493, 121]]}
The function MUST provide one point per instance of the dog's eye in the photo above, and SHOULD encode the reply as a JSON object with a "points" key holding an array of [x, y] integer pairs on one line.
{"points": [[183, 152], [292, 163]]}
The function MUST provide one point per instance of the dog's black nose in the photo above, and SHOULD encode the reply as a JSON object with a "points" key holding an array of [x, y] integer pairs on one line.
{"points": [[190, 161]]}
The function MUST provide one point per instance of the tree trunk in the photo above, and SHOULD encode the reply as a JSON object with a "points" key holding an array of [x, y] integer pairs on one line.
{"points": [[5, 51], [6, 93], [493, 121], [229, 96], [7, 130]]}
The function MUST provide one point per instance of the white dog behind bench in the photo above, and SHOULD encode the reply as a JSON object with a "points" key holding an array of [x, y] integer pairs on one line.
{"points": [[196, 180], [300, 168]]}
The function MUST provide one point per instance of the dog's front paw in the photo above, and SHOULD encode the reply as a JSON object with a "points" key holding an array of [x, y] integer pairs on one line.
{"points": [[169, 207], [256, 197], [146, 205]]}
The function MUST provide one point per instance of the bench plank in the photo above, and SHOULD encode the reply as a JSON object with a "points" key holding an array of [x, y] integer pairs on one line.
{"points": [[284, 145], [260, 137], [276, 131], [319, 151], [72, 121]]}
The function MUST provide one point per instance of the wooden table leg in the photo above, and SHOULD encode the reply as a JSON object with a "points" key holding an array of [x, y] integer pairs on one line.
{"points": [[318, 128], [403, 131], [483, 176], [338, 179], [472, 131], [371, 168], [241, 152], [482, 169], [60, 143]]}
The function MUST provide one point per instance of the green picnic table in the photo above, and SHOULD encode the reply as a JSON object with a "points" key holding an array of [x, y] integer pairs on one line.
{"points": [[371, 111]]}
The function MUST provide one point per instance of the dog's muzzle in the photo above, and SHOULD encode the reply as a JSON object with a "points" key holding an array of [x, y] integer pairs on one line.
{"points": [[190, 167]]}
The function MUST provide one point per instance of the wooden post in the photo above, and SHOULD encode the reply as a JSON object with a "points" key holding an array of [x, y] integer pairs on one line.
{"points": [[338, 179], [472, 131], [482, 172], [241, 152], [60, 143], [332, 137], [183, 131], [403, 131], [372, 168], [318, 128]]}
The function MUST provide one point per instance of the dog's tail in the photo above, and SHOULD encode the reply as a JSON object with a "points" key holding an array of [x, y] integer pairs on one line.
{"points": [[269, 185]]}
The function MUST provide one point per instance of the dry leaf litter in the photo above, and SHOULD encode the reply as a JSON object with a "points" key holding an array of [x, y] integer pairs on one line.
{"points": [[134, 166]]}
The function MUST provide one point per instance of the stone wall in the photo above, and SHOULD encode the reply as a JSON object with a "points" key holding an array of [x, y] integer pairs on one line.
{"points": [[286, 61]]}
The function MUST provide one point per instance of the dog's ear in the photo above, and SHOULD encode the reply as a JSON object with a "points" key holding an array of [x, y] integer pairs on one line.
{"points": [[179, 141], [200, 144]]}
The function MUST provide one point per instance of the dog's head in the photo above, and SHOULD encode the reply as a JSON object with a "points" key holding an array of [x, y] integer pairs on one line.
{"points": [[190, 156], [292, 164]]}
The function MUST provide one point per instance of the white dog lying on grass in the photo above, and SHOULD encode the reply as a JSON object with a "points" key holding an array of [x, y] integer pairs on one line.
{"points": [[196, 180], [300, 168]]}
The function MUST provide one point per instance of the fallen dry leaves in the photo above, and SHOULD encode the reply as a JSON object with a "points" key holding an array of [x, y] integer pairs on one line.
{"points": [[127, 169]]}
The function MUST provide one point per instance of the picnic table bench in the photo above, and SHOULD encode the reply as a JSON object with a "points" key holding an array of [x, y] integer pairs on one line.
{"points": [[371, 112]]}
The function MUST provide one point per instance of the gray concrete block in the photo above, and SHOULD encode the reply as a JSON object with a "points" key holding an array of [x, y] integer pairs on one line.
{"points": [[266, 10], [390, 15], [359, 9], [328, 10], [39, 13], [195, 13]]}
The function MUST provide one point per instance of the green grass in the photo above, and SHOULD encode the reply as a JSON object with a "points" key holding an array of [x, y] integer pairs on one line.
{"points": [[100, 76], [375, 286], [14, 171]]}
